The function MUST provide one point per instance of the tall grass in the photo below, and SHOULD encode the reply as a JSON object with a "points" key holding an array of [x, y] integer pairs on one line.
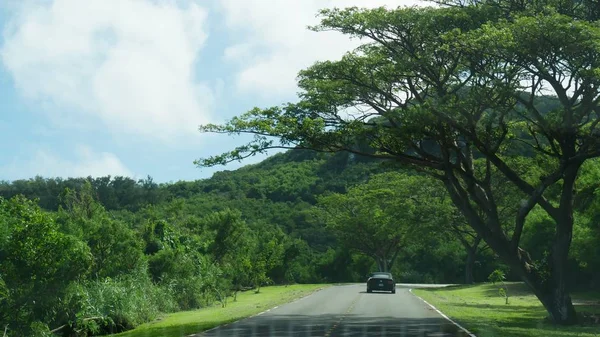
{"points": [[114, 305]]}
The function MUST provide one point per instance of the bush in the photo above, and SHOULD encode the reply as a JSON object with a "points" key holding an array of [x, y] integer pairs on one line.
{"points": [[119, 304], [38, 263], [498, 276], [187, 293]]}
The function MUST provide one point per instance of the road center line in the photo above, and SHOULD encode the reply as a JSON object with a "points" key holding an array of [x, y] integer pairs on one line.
{"points": [[339, 321]]}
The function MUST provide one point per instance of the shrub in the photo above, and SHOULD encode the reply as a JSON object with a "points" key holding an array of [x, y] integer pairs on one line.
{"points": [[498, 276], [115, 305]]}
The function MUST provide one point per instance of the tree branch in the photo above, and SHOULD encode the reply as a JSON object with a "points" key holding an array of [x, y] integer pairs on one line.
{"points": [[529, 204]]}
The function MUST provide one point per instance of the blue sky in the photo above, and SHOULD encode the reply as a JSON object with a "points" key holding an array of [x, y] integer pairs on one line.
{"points": [[119, 87]]}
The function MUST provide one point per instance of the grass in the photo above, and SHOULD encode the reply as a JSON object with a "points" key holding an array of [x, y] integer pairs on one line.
{"points": [[248, 303], [483, 312]]}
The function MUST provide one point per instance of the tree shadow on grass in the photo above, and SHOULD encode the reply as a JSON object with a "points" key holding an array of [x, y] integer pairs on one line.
{"points": [[501, 307], [508, 320], [512, 289]]}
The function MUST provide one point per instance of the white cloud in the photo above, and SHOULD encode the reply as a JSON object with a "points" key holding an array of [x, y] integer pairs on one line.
{"points": [[85, 163], [278, 44], [128, 63]]}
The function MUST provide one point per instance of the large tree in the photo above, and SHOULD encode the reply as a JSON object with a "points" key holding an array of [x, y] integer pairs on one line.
{"points": [[456, 227], [436, 88], [37, 264], [382, 216]]}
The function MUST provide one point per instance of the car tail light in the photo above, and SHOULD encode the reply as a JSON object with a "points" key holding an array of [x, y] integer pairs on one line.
{"points": [[390, 282]]}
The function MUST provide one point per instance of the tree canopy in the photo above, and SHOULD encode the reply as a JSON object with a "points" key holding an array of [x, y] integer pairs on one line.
{"points": [[383, 216], [435, 88]]}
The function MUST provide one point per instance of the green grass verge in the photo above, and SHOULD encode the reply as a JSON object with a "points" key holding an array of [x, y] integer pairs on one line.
{"points": [[483, 312], [248, 303]]}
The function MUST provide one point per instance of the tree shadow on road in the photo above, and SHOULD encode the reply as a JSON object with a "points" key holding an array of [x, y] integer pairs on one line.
{"points": [[336, 326]]}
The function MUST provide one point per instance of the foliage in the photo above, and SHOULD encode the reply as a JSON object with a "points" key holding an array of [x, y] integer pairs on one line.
{"points": [[436, 89], [113, 192], [497, 276], [175, 236], [177, 248], [118, 304], [114, 247], [384, 215], [211, 240], [38, 262]]}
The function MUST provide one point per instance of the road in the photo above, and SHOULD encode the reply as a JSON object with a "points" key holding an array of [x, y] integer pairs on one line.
{"points": [[344, 311]]}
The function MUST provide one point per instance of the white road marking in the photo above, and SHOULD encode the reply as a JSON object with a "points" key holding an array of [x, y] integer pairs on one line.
{"points": [[244, 318], [443, 315]]}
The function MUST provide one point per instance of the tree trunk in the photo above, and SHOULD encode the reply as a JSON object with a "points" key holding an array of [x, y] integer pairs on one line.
{"points": [[382, 264], [558, 302], [554, 290], [469, 266], [548, 282], [551, 290], [393, 259], [471, 255]]}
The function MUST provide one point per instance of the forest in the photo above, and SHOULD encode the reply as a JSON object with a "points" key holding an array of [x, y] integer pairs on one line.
{"points": [[103, 255], [456, 144]]}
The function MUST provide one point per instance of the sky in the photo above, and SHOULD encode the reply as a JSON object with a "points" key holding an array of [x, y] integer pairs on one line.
{"points": [[119, 87]]}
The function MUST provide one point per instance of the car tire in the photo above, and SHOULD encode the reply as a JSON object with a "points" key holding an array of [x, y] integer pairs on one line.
{"points": [[394, 291], [369, 290]]}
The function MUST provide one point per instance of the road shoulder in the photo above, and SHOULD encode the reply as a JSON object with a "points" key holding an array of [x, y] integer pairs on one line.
{"points": [[467, 332], [248, 305]]}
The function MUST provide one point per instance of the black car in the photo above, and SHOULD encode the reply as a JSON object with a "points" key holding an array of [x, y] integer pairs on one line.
{"points": [[381, 281]]}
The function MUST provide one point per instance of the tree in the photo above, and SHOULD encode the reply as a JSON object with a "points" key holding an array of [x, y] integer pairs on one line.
{"points": [[231, 246], [229, 231], [470, 240], [507, 200], [38, 263], [436, 88], [115, 248], [379, 217], [457, 227], [268, 253]]}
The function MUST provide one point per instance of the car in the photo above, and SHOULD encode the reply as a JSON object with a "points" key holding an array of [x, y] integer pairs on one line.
{"points": [[381, 281]]}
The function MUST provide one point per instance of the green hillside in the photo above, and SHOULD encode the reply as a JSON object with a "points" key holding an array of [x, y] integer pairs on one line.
{"points": [[117, 253]]}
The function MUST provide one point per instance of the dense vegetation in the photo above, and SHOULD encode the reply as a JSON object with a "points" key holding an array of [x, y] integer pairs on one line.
{"points": [[455, 91], [106, 254], [461, 167]]}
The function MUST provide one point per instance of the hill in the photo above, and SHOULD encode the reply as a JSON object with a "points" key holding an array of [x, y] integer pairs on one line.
{"points": [[184, 245]]}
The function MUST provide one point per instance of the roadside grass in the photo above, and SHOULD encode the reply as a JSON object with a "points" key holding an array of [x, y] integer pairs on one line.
{"points": [[482, 311], [248, 303]]}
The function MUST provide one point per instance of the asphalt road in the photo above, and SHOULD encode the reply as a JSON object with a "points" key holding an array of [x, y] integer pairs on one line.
{"points": [[344, 311]]}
